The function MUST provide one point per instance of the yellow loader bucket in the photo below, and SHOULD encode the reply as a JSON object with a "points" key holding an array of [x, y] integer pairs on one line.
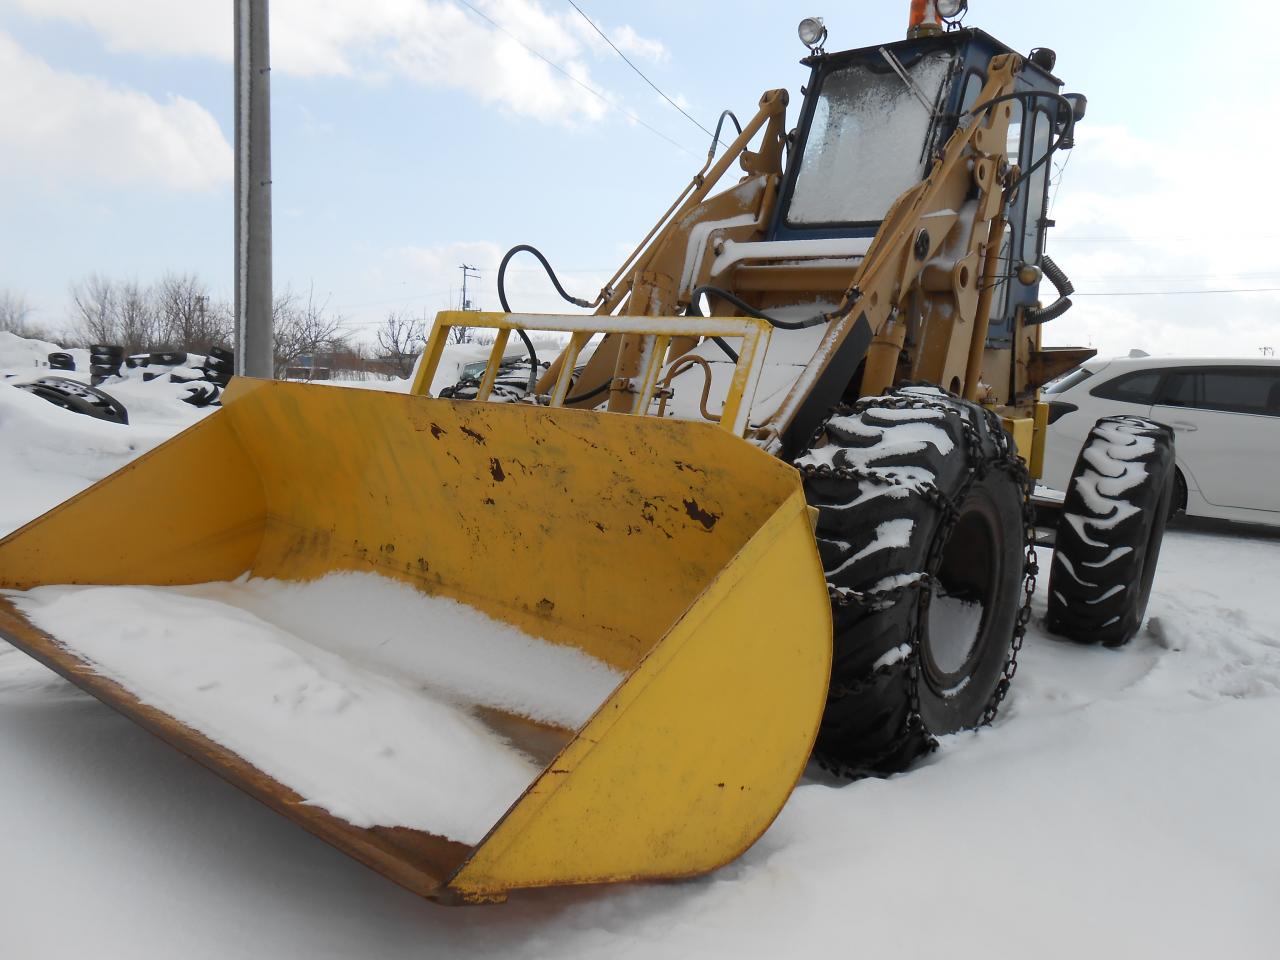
{"points": [[675, 553]]}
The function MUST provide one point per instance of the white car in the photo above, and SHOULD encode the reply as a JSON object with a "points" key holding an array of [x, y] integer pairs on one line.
{"points": [[1226, 420]]}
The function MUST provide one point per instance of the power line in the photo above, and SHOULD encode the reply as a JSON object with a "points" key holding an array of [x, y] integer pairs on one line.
{"points": [[639, 72], [1161, 239], [561, 270], [381, 303], [561, 70], [1176, 293], [1178, 276]]}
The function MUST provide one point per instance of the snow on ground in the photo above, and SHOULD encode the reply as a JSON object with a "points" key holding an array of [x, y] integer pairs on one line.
{"points": [[1124, 804]]}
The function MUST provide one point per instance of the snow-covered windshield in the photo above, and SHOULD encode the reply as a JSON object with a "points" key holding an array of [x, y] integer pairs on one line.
{"points": [[866, 141]]}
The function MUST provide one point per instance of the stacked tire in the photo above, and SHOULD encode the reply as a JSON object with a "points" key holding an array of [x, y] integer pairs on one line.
{"points": [[219, 366], [105, 361]]}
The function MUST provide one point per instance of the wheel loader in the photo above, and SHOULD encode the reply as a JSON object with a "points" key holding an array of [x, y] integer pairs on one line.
{"points": [[784, 506]]}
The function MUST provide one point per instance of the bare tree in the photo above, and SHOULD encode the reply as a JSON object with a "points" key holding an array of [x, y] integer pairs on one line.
{"points": [[460, 334], [303, 328], [138, 319], [186, 318], [400, 338], [116, 312], [95, 313], [15, 314]]}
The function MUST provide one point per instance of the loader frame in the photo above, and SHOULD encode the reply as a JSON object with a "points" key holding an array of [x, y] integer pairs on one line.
{"points": [[917, 306]]}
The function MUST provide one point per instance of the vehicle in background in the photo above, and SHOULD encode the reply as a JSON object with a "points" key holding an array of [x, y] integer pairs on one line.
{"points": [[1225, 414]]}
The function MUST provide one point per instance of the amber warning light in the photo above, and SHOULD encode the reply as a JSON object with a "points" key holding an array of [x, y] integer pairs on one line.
{"points": [[928, 16]]}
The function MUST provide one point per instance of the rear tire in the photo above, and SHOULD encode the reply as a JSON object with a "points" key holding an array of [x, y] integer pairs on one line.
{"points": [[922, 533], [1112, 525]]}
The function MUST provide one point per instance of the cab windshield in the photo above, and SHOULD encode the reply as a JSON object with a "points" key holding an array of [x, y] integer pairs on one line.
{"points": [[867, 141]]}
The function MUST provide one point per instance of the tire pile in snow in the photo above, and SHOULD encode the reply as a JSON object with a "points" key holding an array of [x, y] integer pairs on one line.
{"points": [[207, 375]]}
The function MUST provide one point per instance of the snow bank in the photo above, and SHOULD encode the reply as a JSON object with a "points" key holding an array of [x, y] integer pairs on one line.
{"points": [[23, 354], [354, 691], [49, 454]]}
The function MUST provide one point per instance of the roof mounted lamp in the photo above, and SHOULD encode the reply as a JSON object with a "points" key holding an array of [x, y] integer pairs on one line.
{"points": [[928, 16], [812, 33]]}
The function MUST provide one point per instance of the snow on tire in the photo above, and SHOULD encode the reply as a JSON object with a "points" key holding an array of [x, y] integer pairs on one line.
{"points": [[921, 532], [1109, 536]]}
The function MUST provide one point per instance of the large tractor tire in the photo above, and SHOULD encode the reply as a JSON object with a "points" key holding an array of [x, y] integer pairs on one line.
{"points": [[923, 527], [1109, 536]]}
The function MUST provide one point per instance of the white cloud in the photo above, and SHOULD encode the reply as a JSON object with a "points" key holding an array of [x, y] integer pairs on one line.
{"points": [[434, 42], [1176, 218], [528, 289], [628, 41], [190, 28], [82, 127]]}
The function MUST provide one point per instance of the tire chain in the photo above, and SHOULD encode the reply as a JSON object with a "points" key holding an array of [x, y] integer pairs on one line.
{"points": [[1007, 460]]}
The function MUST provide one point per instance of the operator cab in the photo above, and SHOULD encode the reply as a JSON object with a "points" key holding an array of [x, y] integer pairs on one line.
{"points": [[874, 119]]}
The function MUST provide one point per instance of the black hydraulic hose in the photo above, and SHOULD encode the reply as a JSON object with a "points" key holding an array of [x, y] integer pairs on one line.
{"points": [[1067, 139], [589, 395], [506, 307], [751, 311], [715, 137], [1034, 315], [1065, 288], [546, 265], [1059, 279]]}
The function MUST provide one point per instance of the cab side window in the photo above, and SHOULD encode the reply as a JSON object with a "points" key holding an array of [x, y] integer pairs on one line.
{"points": [[1037, 186]]}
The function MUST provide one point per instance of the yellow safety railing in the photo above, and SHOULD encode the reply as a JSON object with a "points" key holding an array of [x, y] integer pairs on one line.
{"points": [[657, 331]]}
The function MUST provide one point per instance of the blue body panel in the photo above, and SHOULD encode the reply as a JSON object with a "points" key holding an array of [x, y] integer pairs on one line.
{"points": [[971, 51]]}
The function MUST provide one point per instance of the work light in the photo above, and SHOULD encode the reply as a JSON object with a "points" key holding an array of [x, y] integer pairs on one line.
{"points": [[812, 32]]}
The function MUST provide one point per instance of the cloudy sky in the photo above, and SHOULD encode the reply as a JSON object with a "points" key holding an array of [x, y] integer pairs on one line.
{"points": [[411, 136]]}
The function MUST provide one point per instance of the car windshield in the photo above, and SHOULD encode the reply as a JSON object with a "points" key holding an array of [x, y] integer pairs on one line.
{"points": [[866, 142], [1067, 380]]}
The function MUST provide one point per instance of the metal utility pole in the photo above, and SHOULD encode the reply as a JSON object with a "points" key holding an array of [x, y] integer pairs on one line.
{"points": [[468, 271], [253, 190]]}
